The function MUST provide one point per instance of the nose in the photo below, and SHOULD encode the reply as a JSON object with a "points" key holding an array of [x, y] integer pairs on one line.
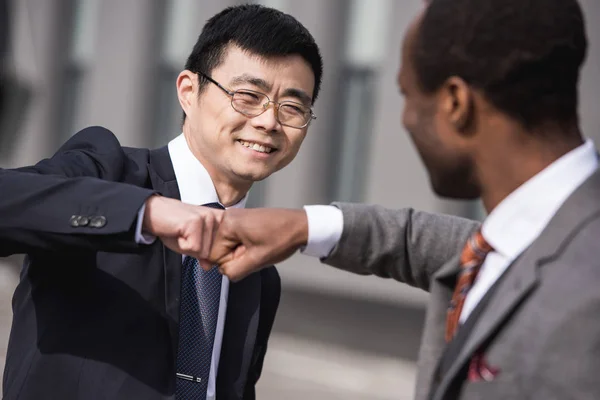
{"points": [[267, 121]]}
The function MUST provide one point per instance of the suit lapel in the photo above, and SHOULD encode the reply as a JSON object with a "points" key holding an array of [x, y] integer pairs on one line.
{"points": [[433, 342], [239, 336], [448, 273], [163, 181], [519, 282], [523, 276]]}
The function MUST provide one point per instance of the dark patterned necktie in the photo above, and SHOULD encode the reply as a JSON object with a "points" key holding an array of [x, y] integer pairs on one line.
{"points": [[472, 257], [198, 312]]}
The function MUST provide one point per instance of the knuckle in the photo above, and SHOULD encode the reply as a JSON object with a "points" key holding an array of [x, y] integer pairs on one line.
{"points": [[197, 219], [210, 219], [227, 223]]}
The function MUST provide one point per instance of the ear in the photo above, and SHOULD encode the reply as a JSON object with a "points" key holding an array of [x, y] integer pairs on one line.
{"points": [[458, 103], [187, 90]]}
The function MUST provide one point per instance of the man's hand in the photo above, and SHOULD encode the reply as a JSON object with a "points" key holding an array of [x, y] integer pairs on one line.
{"points": [[183, 228], [249, 240]]}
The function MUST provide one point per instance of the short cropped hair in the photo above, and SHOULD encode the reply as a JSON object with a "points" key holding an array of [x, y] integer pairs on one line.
{"points": [[258, 29], [524, 55]]}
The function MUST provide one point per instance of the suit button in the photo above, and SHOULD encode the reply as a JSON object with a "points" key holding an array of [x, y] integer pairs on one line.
{"points": [[98, 222], [74, 221], [79, 220]]}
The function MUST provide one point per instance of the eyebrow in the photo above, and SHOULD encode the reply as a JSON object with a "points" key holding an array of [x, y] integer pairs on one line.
{"points": [[266, 86], [252, 80]]}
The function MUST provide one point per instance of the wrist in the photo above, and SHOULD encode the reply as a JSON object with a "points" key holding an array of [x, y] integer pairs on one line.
{"points": [[300, 228], [149, 223]]}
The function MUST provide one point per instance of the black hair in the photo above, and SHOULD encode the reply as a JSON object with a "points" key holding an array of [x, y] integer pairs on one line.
{"points": [[524, 55], [258, 29]]}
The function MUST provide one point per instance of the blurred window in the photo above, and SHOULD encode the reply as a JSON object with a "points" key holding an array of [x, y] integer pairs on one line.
{"points": [[79, 59], [367, 39]]}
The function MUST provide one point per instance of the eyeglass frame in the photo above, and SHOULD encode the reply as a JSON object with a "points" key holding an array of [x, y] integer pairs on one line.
{"points": [[265, 106]]}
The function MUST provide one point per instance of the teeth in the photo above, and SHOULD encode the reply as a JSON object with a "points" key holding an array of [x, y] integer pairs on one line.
{"points": [[256, 147]]}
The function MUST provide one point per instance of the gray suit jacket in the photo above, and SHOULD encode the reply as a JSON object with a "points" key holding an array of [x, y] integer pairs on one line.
{"points": [[541, 328]]}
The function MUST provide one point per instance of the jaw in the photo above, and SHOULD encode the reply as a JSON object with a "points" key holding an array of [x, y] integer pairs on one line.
{"points": [[454, 183], [249, 165]]}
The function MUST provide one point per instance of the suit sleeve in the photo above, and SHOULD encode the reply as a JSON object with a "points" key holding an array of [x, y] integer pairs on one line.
{"points": [[406, 245], [72, 200]]}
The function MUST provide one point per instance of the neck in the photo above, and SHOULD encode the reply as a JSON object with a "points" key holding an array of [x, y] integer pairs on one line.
{"points": [[516, 157], [230, 194], [229, 191]]}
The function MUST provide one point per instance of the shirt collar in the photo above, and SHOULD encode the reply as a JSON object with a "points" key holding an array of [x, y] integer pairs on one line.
{"points": [[195, 185], [522, 216]]}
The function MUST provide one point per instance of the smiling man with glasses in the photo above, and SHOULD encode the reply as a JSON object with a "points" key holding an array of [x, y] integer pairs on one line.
{"points": [[106, 311]]}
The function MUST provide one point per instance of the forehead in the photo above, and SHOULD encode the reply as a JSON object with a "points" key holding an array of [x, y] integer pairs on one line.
{"points": [[280, 72], [406, 71]]}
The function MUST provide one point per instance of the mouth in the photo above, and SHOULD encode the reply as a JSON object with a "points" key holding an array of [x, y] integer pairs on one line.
{"points": [[258, 147]]}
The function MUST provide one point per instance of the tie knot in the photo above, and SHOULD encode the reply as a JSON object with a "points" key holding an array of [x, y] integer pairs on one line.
{"points": [[475, 250]]}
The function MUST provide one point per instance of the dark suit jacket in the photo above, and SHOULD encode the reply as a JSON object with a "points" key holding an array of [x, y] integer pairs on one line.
{"points": [[95, 314]]}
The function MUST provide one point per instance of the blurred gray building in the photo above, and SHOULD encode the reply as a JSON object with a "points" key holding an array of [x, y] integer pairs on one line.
{"points": [[114, 63]]}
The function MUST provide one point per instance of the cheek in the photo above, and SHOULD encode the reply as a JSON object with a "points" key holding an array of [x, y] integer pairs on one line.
{"points": [[415, 125], [422, 129], [229, 121], [219, 118], [293, 144]]}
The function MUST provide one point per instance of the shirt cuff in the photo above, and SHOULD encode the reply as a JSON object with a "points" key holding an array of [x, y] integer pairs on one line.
{"points": [[141, 237], [325, 226]]}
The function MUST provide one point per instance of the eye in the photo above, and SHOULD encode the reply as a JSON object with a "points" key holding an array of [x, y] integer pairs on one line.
{"points": [[292, 109], [248, 97]]}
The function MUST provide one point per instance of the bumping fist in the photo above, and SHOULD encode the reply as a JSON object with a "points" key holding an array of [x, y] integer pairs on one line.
{"points": [[251, 239], [184, 228]]}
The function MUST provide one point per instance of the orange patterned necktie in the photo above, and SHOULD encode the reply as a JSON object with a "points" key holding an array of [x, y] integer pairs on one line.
{"points": [[471, 259]]}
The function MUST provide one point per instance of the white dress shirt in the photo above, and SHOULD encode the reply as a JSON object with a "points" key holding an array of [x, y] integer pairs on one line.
{"points": [[510, 228], [197, 188]]}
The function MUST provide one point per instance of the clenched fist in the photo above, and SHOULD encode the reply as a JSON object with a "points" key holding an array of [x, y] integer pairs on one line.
{"points": [[184, 228], [249, 240]]}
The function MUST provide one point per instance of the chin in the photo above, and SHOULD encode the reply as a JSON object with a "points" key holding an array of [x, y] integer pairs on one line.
{"points": [[254, 176], [455, 193], [454, 186], [455, 190], [452, 178]]}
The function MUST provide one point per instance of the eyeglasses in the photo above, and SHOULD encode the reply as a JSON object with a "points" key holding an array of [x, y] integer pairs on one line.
{"points": [[252, 104]]}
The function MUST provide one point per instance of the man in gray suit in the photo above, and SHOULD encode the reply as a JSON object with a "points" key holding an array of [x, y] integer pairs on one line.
{"points": [[491, 105]]}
